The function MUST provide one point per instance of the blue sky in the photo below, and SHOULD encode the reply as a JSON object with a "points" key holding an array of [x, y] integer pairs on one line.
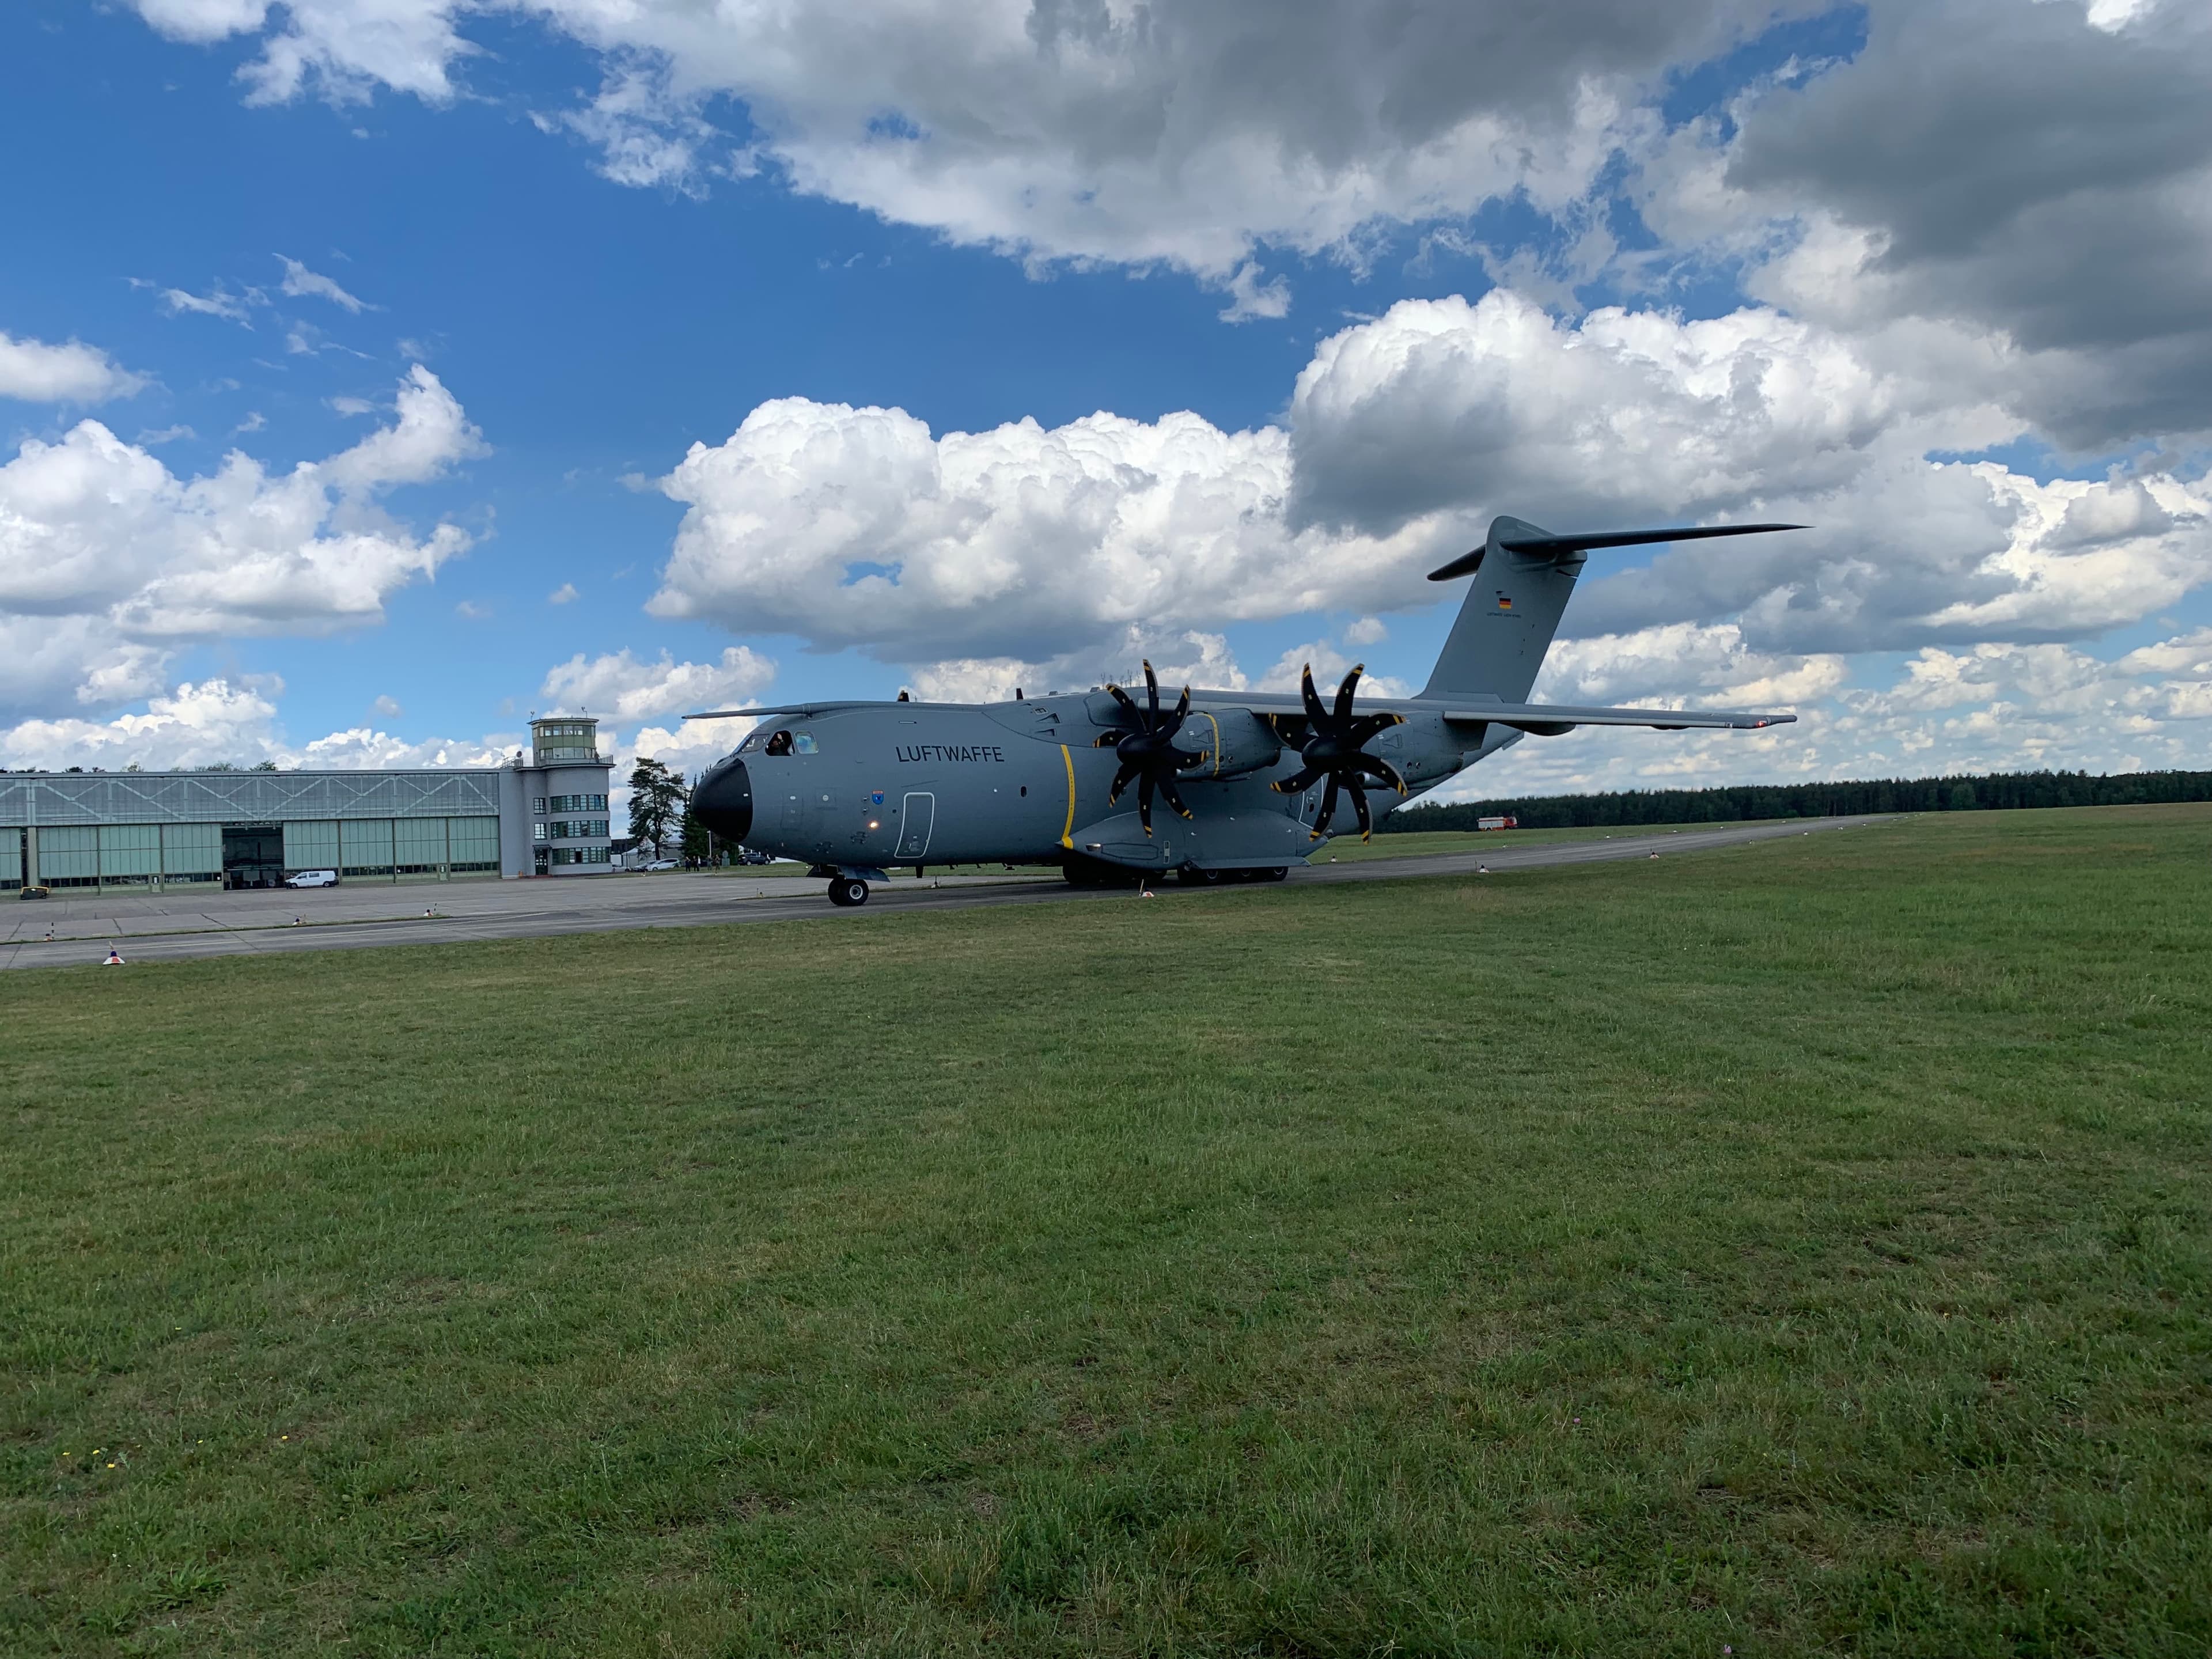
{"points": [[606, 248]]}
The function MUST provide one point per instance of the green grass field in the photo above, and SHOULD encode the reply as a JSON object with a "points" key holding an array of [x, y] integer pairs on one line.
{"points": [[1802, 1247]]}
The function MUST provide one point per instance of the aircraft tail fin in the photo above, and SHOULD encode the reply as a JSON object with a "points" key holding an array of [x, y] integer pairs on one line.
{"points": [[1506, 622], [1524, 576]]}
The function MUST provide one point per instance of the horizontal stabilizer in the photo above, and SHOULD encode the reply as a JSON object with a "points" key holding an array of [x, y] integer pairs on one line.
{"points": [[1550, 546]]}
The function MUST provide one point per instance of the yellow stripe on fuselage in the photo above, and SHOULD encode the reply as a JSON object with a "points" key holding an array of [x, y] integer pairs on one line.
{"points": [[1067, 831]]}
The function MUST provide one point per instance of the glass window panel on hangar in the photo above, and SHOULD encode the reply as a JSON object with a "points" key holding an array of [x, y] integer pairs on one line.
{"points": [[311, 845], [69, 856], [191, 852]]}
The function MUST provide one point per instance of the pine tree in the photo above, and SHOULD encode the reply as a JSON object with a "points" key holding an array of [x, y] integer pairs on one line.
{"points": [[698, 843], [657, 802]]}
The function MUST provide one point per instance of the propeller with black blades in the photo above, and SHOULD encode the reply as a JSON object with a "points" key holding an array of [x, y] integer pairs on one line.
{"points": [[1334, 750], [1148, 755]]}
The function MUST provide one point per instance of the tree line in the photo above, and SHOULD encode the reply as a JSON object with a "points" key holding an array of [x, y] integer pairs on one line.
{"points": [[1986, 792]]}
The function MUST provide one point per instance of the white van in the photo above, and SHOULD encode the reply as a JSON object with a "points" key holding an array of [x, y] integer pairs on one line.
{"points": [[312, 878]]}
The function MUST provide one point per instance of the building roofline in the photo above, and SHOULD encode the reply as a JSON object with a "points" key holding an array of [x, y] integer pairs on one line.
{"points": [[285, 772]]}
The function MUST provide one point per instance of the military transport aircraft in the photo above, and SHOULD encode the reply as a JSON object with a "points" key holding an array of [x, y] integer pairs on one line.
{"points": [[1252, 781]]}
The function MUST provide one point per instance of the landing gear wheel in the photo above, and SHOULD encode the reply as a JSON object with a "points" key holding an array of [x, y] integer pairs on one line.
{"points": [[1279, 872], [847, 891]]}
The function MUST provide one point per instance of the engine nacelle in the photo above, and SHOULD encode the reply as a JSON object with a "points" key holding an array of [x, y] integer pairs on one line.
{"points": [[1230, 742]]}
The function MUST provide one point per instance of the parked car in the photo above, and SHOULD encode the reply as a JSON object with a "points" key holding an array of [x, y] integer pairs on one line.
{"points": [[662, 864], [312, 878], [32, 892], [748, 856]]}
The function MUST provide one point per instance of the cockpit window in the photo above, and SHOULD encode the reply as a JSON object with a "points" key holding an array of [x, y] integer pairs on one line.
{"points": [[752, 743], [779, 744], [802, 743]]}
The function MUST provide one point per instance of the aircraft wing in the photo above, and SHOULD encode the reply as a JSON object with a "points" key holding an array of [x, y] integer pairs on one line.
{"points": [[801, 709], [1545, 719]]}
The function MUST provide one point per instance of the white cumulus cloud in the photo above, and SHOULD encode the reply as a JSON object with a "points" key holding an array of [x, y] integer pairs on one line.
{"points": [[34, 371], [1179, 657], [2036, 176], [1067, 128], [100, 541], [1684, 665], [1990, 707], [2033, 181], [1024, 556], [235, 722], [855, 526], [620, 686], [1330, 663], [208, 724]]}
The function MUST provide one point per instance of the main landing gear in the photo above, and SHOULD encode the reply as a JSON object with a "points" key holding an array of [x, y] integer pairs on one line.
{"points": [[847, 891]]}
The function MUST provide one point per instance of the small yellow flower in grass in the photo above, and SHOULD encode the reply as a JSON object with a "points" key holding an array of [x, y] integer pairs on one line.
{"points": [[283, 1437], [111, 1466]]}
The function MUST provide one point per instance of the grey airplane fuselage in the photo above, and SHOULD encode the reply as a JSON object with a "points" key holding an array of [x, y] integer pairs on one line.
{"points": [[857, 788], [880, 786]]}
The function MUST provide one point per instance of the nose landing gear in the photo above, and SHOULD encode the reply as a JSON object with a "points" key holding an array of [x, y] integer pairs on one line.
{"points": [[847, 891]]}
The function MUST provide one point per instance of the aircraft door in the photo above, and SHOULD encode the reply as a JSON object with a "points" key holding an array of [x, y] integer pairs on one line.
{"points": [[917, 817]]}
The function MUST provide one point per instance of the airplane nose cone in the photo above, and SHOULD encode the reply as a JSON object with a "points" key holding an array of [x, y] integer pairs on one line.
{"points": [[723, 799]]}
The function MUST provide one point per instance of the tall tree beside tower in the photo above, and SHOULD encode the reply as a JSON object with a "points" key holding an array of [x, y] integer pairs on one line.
{"points": [[657, 799]]}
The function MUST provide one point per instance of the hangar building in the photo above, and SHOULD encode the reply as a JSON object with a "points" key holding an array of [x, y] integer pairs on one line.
{"points": [[543, 816]]}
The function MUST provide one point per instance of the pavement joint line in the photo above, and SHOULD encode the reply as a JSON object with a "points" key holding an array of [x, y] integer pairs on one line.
{"points": [[216, 928]]}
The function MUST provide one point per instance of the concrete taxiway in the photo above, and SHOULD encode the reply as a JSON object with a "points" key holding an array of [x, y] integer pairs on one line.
{"points": [[163, 927]]}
